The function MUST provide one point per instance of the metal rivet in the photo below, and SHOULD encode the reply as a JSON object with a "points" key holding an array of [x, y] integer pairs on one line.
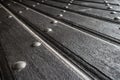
{"points": [[54, 22], [113, 12], [33, 5], [49, 30], [27, 8], [63, 10], [42, 1], [38, 3], [8, 4], [18, 66], [60, 15], [36, 44], [109, 7], [117, 18], [107, 4], [66, 6], [105, 1], [20, 12], [9, 16]]}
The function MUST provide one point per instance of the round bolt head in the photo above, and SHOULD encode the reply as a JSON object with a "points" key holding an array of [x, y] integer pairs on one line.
{"points": [[14, 2], [107, 4], [9, 16], [66, 6], [18, 66], [42, 1], [8, 4], [36, 44], [54, 22], [63, 10], [49, 30], [60, 15], [33, 5], [109, 7], [105, 1], [117, 18], [113, 12], [27, 8], [38, 3], [20, 12]]}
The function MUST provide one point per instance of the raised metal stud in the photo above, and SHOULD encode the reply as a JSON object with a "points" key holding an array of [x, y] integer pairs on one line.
{"points": [[107, 4], [49, 30], [43, 1], [8, 4], [60, 15], [109, 7], [18, 66], [14, 2], [63, 11], [27, 8], [66, 6], [38, 3], [113, 12], [54, 22], [33, 5], [9, 16], [20, 12], [105, 1], [117, 18], [36, 44]]}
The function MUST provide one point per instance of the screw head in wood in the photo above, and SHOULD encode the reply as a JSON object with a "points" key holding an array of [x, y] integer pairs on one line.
{"points": [[109, 7], [36, 44], [66, 7], [54, 22], [68, 4], [60, 15], [113, 12], [49, 30], [18, 66], [20, 12], [117, 18], [8, 4], [63, 11], [38, 3], [9, 16], [34, 5], [27, 8]]}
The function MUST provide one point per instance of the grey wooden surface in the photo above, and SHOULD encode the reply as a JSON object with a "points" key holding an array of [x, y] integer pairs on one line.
{"points": [[93, 36]]}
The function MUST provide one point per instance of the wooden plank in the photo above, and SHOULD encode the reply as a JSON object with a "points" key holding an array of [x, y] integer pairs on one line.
{"points": [[96, 51]]}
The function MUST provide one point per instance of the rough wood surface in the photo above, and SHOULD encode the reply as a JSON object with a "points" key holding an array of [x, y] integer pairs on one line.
{"points": [[87, 32]]}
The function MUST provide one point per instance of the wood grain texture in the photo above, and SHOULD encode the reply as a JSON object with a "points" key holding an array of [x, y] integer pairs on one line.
{"points": [[94, 50]]}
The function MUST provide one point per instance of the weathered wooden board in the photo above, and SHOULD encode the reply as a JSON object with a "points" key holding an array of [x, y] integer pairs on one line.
{"points": [[102, 53], [85, 30]]}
